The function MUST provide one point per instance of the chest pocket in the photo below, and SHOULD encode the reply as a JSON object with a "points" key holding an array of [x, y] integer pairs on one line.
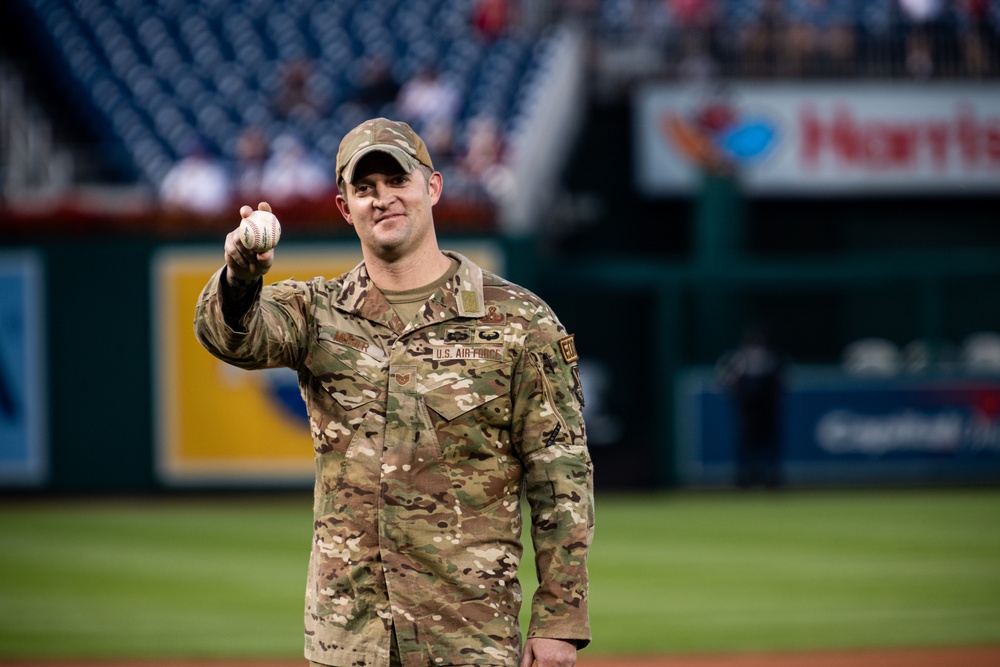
{"points": [[474, 386], [347, 376]]}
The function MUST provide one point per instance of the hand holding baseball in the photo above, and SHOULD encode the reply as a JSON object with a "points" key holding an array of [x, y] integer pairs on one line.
{"points": [[250, 247], [259, 230]]}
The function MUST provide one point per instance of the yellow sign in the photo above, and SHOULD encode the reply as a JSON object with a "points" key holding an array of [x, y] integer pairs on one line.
{"points": [[218, 424]]}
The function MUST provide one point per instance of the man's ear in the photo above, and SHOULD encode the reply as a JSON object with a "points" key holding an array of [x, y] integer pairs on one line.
{"points": [[344, 209], [435, 184]]}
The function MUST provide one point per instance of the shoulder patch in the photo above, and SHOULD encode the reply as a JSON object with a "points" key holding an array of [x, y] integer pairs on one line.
{"points": [[567, 346]]}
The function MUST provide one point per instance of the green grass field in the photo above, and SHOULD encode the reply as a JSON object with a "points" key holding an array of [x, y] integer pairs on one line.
{"points": [[670, 573]]}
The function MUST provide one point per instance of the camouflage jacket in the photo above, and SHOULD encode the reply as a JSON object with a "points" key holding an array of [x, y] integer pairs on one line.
{"points": [[425, 434]]}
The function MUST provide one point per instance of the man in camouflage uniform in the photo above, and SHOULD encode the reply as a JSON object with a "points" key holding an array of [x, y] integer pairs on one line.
{"points": [[437, 392]]}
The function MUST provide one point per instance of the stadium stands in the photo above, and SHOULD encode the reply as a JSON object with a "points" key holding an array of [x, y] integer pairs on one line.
{"points": [[153, 78], [160, 76], [799, 38]]}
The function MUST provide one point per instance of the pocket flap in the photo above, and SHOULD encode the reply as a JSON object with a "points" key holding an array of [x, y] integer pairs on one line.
{"points": [[458, 395], [348, 387]]}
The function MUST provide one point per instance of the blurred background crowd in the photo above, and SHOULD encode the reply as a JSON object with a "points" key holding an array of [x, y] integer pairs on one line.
{"points": [[808, 38], [209, 101]]}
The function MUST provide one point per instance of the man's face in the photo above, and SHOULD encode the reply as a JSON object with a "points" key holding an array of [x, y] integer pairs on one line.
{"points": [[390, 209]]}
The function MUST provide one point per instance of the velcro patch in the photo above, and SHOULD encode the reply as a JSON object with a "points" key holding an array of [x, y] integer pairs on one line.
{"points": [[355, 342], [469, 352], [470, 301], [567, 346], [404, 376]]}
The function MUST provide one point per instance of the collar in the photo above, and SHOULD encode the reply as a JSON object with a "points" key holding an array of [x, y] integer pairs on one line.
{"points": [[462, 296]]}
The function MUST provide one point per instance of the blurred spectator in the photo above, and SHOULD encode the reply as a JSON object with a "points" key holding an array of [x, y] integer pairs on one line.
{"points": [[754, 376], [376, 87], [482, 147], [427, 99], [197, 183], [757, 29], [695, 61], [431, 105], [978, 35], [490, 18], [251, 155], [295, 97], [699, 15], [922, 22], [696, 22], [820, 38], [482, 162], [293, 174]]}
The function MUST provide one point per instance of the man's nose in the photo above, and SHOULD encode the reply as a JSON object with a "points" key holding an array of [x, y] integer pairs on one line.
{"points": [[383, 196]]}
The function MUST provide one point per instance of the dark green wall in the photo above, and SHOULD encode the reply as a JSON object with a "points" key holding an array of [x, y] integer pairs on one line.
{"points": [[645, 318], [100, 380]]}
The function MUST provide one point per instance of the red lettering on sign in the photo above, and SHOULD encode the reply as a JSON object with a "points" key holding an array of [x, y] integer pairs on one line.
{"points": [[964, 140]]}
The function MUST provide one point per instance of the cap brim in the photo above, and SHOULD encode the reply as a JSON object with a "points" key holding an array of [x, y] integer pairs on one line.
{"points": [[405, 160]]}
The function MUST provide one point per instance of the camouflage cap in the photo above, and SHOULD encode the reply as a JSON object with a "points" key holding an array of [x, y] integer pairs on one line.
{"points": [[381, 134]]}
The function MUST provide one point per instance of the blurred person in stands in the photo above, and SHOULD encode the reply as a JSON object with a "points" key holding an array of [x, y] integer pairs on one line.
{"points": [[197, 183], [696, 21], [923, 26], [757, 28], [376, 88], [428, 98], [978, 35], [430, 104], [295, 97], [490, 19], [820, 38], [293, 173], [439, 396], [753, 375], [482, 161], [251, 156], [699, 16]]}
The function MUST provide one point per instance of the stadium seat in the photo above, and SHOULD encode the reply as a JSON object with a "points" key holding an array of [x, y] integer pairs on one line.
{"points": [[219, 64]]}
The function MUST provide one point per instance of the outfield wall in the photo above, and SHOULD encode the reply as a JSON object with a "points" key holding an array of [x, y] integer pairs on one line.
{"points": [[94, 400], [839, 428]]}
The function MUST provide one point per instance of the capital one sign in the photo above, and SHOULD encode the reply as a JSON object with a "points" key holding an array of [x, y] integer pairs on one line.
{"points": [[822, 139]]}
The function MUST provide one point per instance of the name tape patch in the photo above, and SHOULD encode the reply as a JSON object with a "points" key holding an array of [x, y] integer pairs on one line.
{"points": [[357, 343], [480, 352]]}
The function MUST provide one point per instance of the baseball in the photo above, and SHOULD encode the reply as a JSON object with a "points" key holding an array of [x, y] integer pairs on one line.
{"points": [[260, 231]]}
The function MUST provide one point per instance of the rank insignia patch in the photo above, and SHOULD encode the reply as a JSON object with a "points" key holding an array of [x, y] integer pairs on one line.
{"points": [[567, 346], [403, 376]]}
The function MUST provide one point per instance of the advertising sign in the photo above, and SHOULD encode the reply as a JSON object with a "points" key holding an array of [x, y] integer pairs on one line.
{"points": [[220, 424], [23, 414], [821, 139], [842, 429]]}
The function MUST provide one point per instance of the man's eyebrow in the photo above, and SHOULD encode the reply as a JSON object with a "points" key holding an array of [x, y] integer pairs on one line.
{"points": [[388, 174]]}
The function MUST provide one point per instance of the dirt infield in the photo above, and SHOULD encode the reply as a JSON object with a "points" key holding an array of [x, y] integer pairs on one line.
{"points": [[987, 656]]}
